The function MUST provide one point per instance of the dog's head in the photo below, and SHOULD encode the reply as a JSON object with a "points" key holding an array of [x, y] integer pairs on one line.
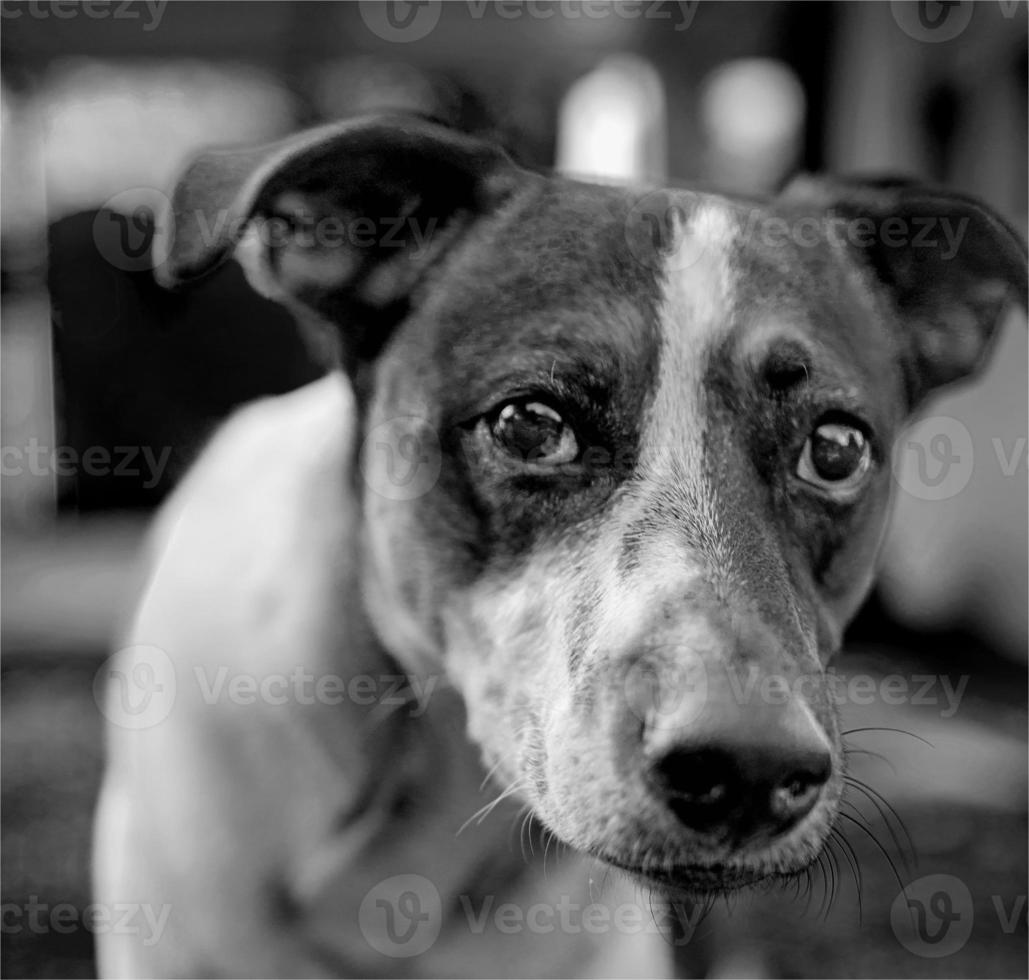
{"points": [[625, 460]]}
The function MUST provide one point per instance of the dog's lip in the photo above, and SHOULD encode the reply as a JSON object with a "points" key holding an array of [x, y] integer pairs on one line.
{"points": [[699, 878]]}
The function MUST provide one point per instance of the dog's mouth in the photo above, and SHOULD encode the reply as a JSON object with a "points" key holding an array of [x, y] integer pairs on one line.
{"points": [[693, 879]]}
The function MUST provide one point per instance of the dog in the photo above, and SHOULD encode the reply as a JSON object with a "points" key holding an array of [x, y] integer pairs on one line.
{"points": [[583, 457]]}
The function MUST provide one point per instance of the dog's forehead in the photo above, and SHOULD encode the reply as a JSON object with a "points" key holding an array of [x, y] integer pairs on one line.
{"points": [[548, 287], [624, 288], [700, 278], [742, 285], [695, 318]]}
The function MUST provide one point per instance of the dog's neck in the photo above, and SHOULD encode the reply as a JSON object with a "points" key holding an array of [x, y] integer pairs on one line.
{"points": [[417, 778]]}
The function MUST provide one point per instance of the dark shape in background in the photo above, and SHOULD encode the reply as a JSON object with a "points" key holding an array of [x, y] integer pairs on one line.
{"points": [[141, 366]]}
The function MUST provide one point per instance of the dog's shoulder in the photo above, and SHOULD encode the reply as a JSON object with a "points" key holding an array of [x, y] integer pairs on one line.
{"points": [[255, 538], [269, 451]]}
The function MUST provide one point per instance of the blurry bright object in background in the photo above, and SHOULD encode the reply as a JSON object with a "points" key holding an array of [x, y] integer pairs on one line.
{"points": [[612, 123], [752, 112], [954, 556], [98, 133], [111, 127], [367, 84]]}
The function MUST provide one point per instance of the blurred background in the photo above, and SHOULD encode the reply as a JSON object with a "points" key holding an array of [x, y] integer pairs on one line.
{"points": [[110, 386]]}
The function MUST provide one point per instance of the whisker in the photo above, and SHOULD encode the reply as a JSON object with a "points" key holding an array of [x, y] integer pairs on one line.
{"points": [[492, 771], [483, 812], [808, 889], [548, 837], [875, 840], [523, 836], [880, 802], [823, 905], [906, 864], [526, 808], [851, 858], [529, 824], [834, 876], [899, 731], [875, 755]]}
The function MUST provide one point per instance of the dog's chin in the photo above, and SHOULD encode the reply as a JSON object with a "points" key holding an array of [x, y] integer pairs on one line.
{"points": [[695, 880]]}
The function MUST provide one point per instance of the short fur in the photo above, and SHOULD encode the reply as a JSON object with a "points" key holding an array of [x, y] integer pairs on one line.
{"points": [[693, 363]]}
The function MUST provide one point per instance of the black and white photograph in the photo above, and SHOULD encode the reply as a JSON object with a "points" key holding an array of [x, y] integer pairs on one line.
{"points": [[514, 488]]}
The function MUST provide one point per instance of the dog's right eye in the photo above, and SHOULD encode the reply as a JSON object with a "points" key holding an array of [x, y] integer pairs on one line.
{"points": [[836, 458], [534, 432]]}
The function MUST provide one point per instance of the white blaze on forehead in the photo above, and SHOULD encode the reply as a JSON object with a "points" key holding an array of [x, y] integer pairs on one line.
{"points": [[695, 317]]}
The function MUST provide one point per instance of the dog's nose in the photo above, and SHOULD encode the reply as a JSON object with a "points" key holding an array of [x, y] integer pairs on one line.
{"points": [[742, 790]]}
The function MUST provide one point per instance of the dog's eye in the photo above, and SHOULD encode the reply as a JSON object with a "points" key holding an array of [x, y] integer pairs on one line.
{"points": [[835, 457], [534, 432]]}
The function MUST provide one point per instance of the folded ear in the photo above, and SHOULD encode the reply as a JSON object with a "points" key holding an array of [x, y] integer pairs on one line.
{"points": [[338, 223], [948, 264]]}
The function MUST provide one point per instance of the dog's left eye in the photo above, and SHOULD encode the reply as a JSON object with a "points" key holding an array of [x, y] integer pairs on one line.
{"points": [[836, 457], [534, 432]]}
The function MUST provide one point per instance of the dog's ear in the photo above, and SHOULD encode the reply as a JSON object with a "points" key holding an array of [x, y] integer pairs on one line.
{"points": [[338, 223], [949, 266]]}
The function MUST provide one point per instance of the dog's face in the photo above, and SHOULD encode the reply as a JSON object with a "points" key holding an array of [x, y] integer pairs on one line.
{"points": [[626, 461]]}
